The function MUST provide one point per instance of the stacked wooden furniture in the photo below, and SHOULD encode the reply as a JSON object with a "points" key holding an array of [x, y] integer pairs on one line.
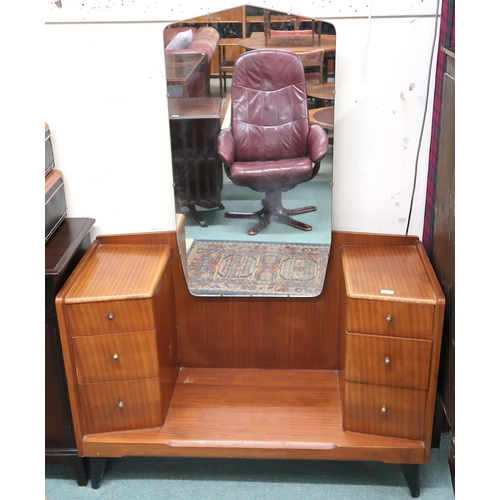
{"points": [[63, 251], [258, 377]]}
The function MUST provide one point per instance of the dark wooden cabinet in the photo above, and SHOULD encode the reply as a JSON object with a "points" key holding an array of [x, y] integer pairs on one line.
{"points": [[63, 251], [194, 127], [442, 254]]}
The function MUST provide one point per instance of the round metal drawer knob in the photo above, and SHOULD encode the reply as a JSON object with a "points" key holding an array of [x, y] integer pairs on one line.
{"points": [[120, 405], [383, 409], [389, 318], [387, 360], [111, 316], [115, 356]]}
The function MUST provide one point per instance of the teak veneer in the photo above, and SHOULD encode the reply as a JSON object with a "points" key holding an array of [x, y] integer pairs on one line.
{"points": [[253, 377]]}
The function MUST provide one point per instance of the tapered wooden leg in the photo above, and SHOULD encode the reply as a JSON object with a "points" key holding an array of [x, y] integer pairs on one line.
{"points": [[96, 466], [79, 466], [411, 473], [69, 458]]}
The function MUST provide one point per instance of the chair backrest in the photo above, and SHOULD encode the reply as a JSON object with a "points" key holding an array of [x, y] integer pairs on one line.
{"points": [[310, 60], [269, 115]]}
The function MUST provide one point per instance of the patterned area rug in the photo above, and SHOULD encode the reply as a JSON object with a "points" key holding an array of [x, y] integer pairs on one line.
{"points": [[239, 268]]}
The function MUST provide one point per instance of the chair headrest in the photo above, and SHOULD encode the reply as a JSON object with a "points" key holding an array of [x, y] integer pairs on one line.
{"points": [[267, 69]]}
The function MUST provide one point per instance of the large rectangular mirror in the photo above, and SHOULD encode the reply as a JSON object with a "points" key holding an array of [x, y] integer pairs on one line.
{"points": [[283, 248]]}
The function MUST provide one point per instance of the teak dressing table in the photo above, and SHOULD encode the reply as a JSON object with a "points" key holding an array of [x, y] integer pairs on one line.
{"points": [[349, 375]]}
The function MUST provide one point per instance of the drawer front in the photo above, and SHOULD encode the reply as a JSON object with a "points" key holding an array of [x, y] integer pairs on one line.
{"points": [[387, 411], [399, 319], [120, 316], [119, 356], [119, 406], [392, 361]]}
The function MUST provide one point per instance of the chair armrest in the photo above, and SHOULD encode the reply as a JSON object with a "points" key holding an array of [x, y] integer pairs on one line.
{"points": [[317, 143], [225, 145]]}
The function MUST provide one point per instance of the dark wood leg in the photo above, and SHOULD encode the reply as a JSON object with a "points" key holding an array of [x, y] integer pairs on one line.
{"points": [[438, 424], [411, 474], [80, 466], [196, 216], [70, 458], [96, 466], [451, 462]]}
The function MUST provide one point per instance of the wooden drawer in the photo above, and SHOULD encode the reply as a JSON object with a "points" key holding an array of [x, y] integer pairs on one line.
{"points": [[392, 361], [387, 411], [118, 316], [392, 318], [104, 358], [119, 406]]}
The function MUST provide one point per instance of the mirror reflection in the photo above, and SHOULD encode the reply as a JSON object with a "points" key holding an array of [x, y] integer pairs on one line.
{"points": [[252, 178]]}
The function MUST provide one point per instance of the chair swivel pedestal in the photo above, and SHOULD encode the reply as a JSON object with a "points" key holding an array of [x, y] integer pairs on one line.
{"points": [[273, 209]]}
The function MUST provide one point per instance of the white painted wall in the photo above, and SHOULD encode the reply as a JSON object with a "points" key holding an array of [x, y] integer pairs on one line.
{"points": [[105, 102]]}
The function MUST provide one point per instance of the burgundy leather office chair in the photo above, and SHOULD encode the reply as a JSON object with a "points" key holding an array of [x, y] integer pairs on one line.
{"points": [[270, 146]]}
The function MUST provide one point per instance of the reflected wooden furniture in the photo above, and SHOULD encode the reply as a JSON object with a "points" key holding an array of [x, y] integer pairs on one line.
{"points": [[274, 387], [321, 92], [181, 70], [313, 66], [322, 117], [226, 60], [328, 44], [269, 33], [63, 251], [197, 169], [231, 25]]}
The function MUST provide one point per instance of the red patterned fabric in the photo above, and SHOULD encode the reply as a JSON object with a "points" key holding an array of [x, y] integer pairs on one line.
{"points": [[446, 39]]}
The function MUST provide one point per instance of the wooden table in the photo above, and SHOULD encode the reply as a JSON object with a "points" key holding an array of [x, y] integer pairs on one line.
{"points": [[323, 91], [326, 42], [181, 70], [322, 117], [257, 41]]}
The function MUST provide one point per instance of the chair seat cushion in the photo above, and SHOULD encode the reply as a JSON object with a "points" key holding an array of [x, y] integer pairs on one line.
{"points": [[279, 175]]}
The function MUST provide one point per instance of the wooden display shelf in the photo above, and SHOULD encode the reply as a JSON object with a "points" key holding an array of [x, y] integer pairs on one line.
{"points": [[248, 413]]}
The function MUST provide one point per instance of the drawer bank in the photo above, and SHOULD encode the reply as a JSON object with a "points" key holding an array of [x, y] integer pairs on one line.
{"points": [[349, 375]]}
